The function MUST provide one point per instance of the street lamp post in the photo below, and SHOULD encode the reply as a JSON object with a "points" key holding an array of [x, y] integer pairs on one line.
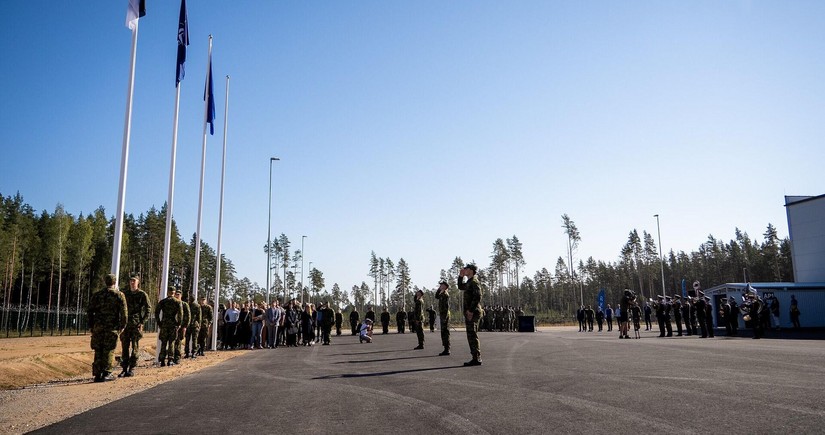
{"points": [[302, 268], [661, 254], [310, 281], [269, 233]]}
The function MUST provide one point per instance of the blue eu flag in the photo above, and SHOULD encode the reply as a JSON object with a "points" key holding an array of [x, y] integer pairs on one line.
{"points": [[210, 112], [183, 41]]}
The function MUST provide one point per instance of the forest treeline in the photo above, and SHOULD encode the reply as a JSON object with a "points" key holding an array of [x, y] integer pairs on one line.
{"points": [[55, 260]]}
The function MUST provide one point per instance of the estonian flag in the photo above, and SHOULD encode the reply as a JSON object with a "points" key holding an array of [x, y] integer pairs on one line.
{"points": [[183, 41], [210, 112], [135, 10]]}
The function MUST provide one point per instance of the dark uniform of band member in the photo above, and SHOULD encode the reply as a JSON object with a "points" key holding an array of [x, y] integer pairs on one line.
{"points": [[686, 316], [431, 318], [472, 310], [733, 320], [168, 315], [724, 317], [443, 297], [756, 311], [677, 314], [107, 314], [659, 306], [353, 320], [668, 309], [385, 321], [137, 303], [709, 316], [418, 318], [701, 311]]}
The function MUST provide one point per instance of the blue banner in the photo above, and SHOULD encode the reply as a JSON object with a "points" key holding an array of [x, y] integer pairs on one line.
{"points": [[600, 300], [684, 289]]}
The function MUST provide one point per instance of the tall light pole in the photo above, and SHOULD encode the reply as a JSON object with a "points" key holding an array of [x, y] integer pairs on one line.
{"points": [[269, 233], [302, 268], [661, 254], [310, 281]]}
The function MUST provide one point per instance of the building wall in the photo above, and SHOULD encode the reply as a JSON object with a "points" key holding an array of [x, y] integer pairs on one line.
{"points": [[806, 226]]}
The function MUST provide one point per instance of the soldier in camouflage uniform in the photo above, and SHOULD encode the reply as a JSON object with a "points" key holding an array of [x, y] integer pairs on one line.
{"points": [[169, 315], [443, 296], [206, 324], [418, 319], [472, 310], [193, 330], [187, 317], [107, 315], [137, 303]]}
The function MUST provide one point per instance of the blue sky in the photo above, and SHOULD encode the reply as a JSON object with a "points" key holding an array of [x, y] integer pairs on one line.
{"points": [[426, 130]]}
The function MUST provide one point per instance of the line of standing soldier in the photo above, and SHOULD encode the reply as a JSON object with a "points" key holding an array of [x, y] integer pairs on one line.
{"points": [[502, 318]]}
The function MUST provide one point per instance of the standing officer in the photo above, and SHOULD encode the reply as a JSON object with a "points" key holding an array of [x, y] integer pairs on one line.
{"points": [[107, 315], [608, 313], [339, 319], [326, 323], [400, 319], [701, 311], [418, 319], [686, 316], [206, 324], [472, 310], [443, 297], [588, 316], [193, 330], [353, 320], [385, 321], [659, 306], [431, 318], [187, 317], [168, 315], [137, 303]]}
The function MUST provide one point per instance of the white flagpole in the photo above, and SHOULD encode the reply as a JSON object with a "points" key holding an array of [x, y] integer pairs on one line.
{"points": [[220, 221], [167, 240], [124, 160], [203, 171]]}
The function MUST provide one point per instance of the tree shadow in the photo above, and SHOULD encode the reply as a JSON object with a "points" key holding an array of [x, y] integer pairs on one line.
{"points": [[388, 373]]}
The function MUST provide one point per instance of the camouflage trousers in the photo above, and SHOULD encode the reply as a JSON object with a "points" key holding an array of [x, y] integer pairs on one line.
{"points": [[203, 335], [419, 331], [179, 338], [167, 337], [104, 343], [192, 333], [130, 346], [445, 331], [472, 335]]}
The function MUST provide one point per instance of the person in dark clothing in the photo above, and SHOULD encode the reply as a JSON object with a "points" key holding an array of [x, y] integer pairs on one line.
{"points": [[701, 311], [580, 318], [291, 325], [588, 316], [354, 317], [795, 313], [244, 330], [608, 314], [339, 320], [659, 307], [431, 318], [600, 317], [709, 316], [686, 317], [733, 319], [648, 312], [385, 321], [401, 320], [677, 314], [307, 325]]}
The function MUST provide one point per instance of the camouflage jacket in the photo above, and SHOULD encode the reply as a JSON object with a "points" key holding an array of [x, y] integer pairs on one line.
{"points": [[107, 310], [187, 315], [472, 294], [169, 313], [443, 302], [206, 314], [138, 304], [194, 314], [418, 311]]}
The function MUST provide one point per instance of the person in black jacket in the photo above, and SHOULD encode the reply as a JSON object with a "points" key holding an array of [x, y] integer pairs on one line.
{"points": [[354, 317], [385, 321], [401, 320]]}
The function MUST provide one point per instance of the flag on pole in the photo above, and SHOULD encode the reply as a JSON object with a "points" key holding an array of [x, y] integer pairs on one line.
{"points": [[207, 93], [135, 10], [183, 40]]}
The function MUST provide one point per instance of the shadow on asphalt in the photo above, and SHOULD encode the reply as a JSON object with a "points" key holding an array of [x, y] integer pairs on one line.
{"points": [[365, 353], [384, 359], [389, 373]]}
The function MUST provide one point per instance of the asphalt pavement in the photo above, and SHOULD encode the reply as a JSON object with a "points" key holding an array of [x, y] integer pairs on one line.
{"points": [[555, 380]]}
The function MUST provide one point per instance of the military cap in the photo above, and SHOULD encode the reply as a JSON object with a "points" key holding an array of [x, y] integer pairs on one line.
{"points": [[444, 282], [661, 297], [134, 276], [677, 297], [668, 297], [170, 289], [472, 267]]}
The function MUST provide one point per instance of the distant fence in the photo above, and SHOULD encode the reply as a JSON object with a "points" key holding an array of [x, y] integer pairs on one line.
{"points": [[25, 321]]}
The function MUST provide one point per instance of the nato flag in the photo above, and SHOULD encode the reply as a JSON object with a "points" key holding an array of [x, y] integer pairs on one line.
{"points": [[210, 112], [183, 41]]}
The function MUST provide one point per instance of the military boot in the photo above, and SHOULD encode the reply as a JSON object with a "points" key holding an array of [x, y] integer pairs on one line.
{"points": [[446, 352]]}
